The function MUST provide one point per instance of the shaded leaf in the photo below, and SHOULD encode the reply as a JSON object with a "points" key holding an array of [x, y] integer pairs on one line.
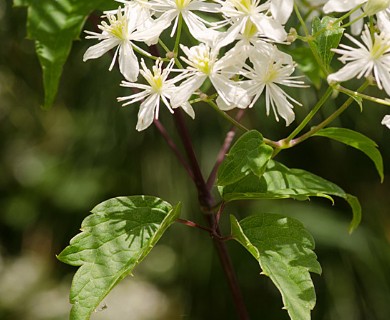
{"points": [[284, 250], [357, 141], [54, 25], [115, 238], [280, 182], [248, 155]]}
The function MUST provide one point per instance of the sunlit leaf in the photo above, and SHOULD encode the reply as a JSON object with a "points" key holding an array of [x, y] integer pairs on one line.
{"points": [[248, 155], [280, 182], [284, 250], [115, 238]]}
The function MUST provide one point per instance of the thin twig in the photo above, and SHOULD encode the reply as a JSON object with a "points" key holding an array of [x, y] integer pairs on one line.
{"points": [[224, 149], [173, 147]]}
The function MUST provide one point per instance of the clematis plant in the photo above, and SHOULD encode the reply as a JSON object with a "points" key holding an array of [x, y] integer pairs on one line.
{"points": [[232, 56]]}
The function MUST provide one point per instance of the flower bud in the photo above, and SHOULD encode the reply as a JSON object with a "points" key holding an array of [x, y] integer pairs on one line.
{"points": [[374, 6]]}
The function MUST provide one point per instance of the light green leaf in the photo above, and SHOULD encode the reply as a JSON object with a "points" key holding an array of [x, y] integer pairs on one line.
{"points": [[248, 155], [357, 141], [115, 238], [54, 25], [284, 250], [280, 182], [327, 35]]}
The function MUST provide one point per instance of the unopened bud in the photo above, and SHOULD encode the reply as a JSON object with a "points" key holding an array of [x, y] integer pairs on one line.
{"points": [[170, 55], [374, 6], [292, 35]]}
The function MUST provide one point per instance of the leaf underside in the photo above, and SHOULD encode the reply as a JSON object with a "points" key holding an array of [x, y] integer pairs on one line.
{"points": [[54, 25], [358, 141]]}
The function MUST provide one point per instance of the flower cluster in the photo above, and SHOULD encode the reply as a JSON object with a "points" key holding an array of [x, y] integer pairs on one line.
{"points": [[236, 51]]}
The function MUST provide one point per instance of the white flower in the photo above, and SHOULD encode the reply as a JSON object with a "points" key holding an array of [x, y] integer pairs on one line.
{"points": [[372, 7], [386, 121], [159, 88], [203, 63], [371, 57], [170, 10], [270, 70], [341, 5], [238, 12], [383, 19], [118, 32]]}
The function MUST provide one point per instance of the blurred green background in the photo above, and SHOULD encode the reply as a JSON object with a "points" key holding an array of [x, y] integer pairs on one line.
{"points": [[57, 165]]}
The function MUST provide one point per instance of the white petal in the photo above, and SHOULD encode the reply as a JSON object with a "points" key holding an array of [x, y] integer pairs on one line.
{"points": [[198, 30], [146, 112], [347, 72], [128, 62], [341, 5], [101, 48], [282, 9], [356, 27], [230, 91], [186, 89], [270, 28], [386, 121], [188, 109]]}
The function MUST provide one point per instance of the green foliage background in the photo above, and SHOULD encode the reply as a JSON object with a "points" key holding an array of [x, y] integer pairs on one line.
{"points": [[57, 165]]}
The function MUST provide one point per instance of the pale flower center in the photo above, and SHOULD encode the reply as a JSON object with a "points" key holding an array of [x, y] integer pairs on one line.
{"points": [[380, 47], [271, 74], [117, 26], [155, 80], [250, 30], [244, 6], [181, 4], [200, 59]]}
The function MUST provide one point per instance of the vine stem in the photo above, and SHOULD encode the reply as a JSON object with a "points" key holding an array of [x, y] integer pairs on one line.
{"points": [[206, 201]]}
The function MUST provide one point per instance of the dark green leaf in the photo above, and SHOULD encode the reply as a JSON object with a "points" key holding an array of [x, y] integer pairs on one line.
{"points": [[248, 155], [280, 182], [54, 25], [357, 141], [115, 238], [307, 63], [327, 35], [284, 250]]}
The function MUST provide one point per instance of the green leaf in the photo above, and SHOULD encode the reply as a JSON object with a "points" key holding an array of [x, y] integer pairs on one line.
{"points": [[327, 35], [308, 64], [115, 238], [54, 25], [284, 250], [357, 141], [248, 155], [280, 182]]}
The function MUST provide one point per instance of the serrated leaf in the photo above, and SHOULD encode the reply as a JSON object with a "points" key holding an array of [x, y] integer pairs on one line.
{"points": [[357, 141], [280, 182], [115, 238], [284, 250], [54, 25], [327, 33], [248, 155]]}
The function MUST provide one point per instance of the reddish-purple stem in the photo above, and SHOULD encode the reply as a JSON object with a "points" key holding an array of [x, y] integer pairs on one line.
{"points": [[173, 147], [223, 151], [207, 202]]}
